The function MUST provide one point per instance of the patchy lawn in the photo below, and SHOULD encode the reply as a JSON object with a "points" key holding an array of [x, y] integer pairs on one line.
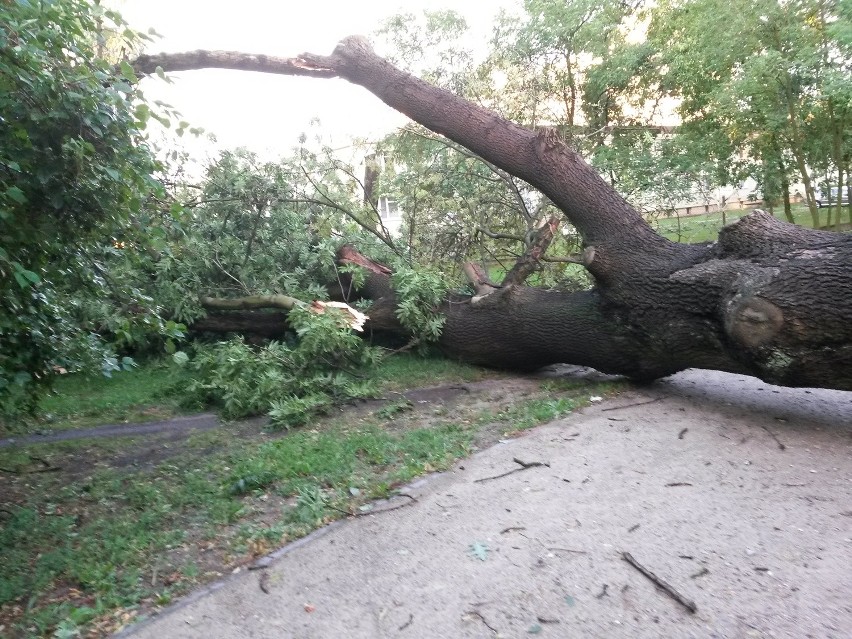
{"points": [[98, 532]]}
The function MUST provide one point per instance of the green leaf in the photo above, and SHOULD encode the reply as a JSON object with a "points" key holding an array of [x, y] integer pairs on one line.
{"points": [[479, 550], [180, 358], [16, 194], [534, 629]]}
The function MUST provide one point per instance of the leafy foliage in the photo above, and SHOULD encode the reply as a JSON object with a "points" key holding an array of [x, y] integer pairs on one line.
{"points": [[290, 382], [74, 166], [421, 291]]}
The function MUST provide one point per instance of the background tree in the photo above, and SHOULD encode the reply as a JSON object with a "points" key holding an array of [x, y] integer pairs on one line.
{"points": [[766, 76]]}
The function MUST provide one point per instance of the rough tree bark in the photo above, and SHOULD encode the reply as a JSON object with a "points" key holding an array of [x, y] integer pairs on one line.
{"points": [[768, 298]]}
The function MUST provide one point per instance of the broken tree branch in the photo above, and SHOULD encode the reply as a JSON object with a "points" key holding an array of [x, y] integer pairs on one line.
{"points": [[528, 262], [662, 585], [523, 466]]}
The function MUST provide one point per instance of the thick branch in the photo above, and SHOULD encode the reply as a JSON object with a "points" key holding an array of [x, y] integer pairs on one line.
{"points": [[529, 261], [542, 159], [148, 64], [250, 302]]}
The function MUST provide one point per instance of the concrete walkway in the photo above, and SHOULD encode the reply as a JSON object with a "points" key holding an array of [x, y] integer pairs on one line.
{"points": [[735, 493]]}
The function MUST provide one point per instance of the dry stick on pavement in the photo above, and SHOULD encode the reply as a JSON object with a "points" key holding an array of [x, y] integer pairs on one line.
{"points": [[775, 437], [523, 466], [669, 590], [682, 433], [651, 401], [263, 582], [366, 513], [478, 615]]}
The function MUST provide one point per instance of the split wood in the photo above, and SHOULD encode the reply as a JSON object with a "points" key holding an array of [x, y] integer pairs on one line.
{"points": [[523, 466], [662, 585]]}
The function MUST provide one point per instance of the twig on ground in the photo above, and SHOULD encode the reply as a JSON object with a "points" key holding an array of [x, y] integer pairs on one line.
{"points": [[47, 469], [602, 593], [263, 582], [650, 401], [775, 437], [682, 433], [479, 616], [366, 513], [557, 549], [700, 573], [523, 466], [669, 590], [542, 619], [633, 528], [511, 528], [678, 483], [407, 623]]}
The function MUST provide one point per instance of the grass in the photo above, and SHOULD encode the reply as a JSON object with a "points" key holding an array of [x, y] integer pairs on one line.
{"points": [[86, 550], [147, 393], [706, 227], [405, 371]]}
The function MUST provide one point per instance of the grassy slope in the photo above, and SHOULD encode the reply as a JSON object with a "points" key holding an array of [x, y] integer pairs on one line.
{"points": [[706, 227]]}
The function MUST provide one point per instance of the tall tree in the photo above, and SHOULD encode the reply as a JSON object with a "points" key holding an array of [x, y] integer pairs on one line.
{"points": [[766, 74]]}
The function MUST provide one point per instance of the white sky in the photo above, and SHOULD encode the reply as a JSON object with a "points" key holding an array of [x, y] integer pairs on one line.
{"points": [[266, 113]]}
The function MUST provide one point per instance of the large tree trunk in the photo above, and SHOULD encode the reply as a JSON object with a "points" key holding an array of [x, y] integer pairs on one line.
{"points": [[769, 298]]}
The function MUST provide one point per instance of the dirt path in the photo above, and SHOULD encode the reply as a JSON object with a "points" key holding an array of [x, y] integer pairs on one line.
{"points": [[201, 421], [736, 493]]}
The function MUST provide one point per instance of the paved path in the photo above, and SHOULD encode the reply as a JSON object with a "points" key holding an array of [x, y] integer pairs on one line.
{"points": [[737, 494]]}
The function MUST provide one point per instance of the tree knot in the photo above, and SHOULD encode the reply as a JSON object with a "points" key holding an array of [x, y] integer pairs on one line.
{"points": [[753, 321]]}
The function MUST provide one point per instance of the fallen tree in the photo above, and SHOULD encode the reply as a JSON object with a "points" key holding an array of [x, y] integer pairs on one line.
{"points": [[768, 299]]}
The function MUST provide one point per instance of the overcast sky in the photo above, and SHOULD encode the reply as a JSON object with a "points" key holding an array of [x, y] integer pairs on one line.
{"points": [[266, 112]]}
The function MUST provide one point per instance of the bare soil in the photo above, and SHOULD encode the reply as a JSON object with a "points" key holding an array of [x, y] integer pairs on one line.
{"points": [[736, 494]]}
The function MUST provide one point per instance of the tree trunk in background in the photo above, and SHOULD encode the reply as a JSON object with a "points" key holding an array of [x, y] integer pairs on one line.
{"points": [[768, 299]]}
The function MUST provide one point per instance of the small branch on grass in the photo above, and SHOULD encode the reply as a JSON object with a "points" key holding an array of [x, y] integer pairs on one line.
{"points": [[662, 585], [651, 401], [775, 437], [523, 466], [46, 468]]}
